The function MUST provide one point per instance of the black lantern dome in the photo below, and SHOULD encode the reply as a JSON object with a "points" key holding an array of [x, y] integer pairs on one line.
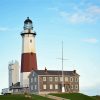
{"points": [[28, 24], [27, 21]]}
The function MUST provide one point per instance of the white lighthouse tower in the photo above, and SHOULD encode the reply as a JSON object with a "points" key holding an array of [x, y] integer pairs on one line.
{"points": [[28, 57]]}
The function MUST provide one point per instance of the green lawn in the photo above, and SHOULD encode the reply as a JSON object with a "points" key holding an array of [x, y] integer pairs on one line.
{"points": [[71, 96], [36, 97], [96, 97], [75, 96], [22, 97]]}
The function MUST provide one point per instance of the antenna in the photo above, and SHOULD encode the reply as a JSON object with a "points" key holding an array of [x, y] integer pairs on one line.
{"points": [[62, 59]]}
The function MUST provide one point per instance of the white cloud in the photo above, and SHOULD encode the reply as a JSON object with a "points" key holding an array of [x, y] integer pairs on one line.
{"points": [[53, 8], [94, 9], [82, 15], [91, 90], [76, 17], [3, 29], [90, 40]]}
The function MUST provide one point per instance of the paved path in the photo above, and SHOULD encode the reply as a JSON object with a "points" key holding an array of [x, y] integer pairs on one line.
{"points": [[53, 97]]}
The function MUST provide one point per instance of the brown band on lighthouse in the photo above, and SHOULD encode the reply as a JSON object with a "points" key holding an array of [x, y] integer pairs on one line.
{"points": [[28, 62]]}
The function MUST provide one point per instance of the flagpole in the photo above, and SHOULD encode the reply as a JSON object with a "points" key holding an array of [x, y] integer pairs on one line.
{"points": [[63, 88]]}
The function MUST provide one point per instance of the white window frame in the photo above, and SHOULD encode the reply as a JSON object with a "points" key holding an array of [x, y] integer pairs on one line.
{"points": [[35, 87], [44, 78], [61, 79], [35, 79], [76, 86], [31, 87], [56, 79], [33, 74], [50, 79], [56, 86], [32, 80], [44, 86], [71, 79], [76, 79], [66, 79], [71, 86], [51, 86]]}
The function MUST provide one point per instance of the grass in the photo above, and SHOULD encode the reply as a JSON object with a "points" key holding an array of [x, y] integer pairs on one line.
{"points": [[71, 96], [96, 97], [75, 96], [12, 97], [22, 97], [37, 97]]}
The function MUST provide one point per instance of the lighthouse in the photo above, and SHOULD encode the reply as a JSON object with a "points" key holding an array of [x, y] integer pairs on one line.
{"points": [[28, 56]]}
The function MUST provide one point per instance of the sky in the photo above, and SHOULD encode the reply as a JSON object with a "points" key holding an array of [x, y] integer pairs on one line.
{"points": [[76, 22]]}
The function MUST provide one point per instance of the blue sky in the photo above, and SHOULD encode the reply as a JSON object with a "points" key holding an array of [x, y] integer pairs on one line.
{"points": [[75, 22]]}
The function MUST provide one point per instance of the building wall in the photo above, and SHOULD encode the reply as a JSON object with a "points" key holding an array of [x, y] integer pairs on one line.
{"points": [[56, 86], [50, 85], [24, 80], [33, 83], [13, 68]]}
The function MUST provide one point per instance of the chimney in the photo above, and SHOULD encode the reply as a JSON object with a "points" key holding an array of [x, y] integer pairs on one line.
{"points": [[74, 71], [45, 70]]}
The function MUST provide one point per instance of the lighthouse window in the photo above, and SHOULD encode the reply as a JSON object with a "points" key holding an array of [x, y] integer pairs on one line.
{"points": [[30, 41]]}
